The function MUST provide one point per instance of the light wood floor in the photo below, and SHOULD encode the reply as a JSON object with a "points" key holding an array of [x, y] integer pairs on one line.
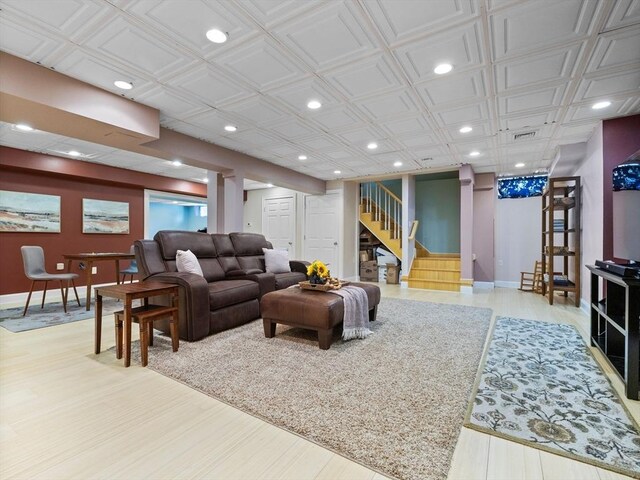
{"points": [[66, 413]]}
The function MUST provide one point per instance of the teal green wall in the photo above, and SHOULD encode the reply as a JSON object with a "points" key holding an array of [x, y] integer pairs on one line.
{"points": [[163, 216], [438, 210]]}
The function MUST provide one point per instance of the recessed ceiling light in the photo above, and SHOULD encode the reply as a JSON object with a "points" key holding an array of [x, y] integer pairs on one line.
{"points": [[216, 36], [443, 68], [314, 104], [372, 146], [475, 153], [74, 153], [465, 129], [176, 163], [205, 180], [337, 172], [397, 164], [519, 165], [123, 85], [24, 127], [175, 202], [230, 128], [269, 185], [599, 105], [302, 157]]}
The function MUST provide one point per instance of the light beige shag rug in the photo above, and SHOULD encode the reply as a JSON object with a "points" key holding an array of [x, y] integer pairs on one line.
{"points": [[394, 402]]}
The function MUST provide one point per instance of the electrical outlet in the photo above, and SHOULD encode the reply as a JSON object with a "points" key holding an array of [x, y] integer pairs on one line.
{"points": [[500, 263], [59, 266], [94, 270]]}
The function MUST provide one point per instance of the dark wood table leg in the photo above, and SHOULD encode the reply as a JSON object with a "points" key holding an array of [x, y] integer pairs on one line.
{"points": [[127, 331], [98, 335], [89, 267], [117, 272], [144, 341], [269, 328]]}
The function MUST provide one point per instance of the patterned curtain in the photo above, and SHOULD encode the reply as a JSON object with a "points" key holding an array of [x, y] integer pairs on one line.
{"points": [[626, 177], [521, 187]]}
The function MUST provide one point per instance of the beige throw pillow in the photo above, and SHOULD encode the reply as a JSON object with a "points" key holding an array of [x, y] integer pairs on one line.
{"points": [[188, 262], [276, 261]]}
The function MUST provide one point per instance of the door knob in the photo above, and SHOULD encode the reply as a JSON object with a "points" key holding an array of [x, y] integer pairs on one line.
{"points": [[290, 243], [335, 243]]}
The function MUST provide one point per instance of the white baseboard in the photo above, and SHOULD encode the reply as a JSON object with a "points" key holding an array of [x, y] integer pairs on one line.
{"points": [[484, 285], [466, 289], [585, 306], [52, 294], [503, 284]]}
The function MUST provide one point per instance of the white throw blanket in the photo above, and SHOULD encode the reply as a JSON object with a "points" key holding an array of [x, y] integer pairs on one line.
{"points": [[356, 312]]}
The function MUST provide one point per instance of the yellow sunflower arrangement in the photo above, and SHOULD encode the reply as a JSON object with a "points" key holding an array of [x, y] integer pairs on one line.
{"points": [[318, 272]]}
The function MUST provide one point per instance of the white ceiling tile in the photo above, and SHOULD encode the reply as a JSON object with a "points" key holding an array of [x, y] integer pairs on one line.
{"points": [[361, 135], [616, 109], [171, 103], [607, 85], [261, 63], [317, 143], [540, 24], [208, 85], [25, 43], [625, 12], [468, 113], [254, 138], [287, 150], [187, 22], [213, 122], [389, 105], [269, 12], [292, 128], [529, 121], [402, 19], [297, 95], [456, 88], [416, 123], [372, 76], [256, 110], [545, 98], [327, 36], [556, 66], [461, 47], [616, 49], [337, 118], [480, 129], [125, 42], [577, 131], [417, 140], [64, 17]]}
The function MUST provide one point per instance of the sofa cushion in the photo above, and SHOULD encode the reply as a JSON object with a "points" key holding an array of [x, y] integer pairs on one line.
{"points": [[276, 261], [230, 292], [187, 262], [285, 280], [171, 241], [248, 243], [252, 263]]}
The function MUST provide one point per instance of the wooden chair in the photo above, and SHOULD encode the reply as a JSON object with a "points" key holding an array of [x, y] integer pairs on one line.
{"points": [[532, 281]]}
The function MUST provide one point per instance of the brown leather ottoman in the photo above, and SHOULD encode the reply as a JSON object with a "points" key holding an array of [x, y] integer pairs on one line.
{"points": [[320, 311]]}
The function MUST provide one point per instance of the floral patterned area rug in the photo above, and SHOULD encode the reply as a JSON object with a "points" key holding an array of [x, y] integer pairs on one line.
{"points": [[540, 386]]}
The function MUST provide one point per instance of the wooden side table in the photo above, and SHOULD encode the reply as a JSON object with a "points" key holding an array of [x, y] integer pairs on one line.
{"points": [[128, 293]]}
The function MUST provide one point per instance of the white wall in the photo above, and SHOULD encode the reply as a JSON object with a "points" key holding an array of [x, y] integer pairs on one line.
{"points": [[591, 172], [518, 240]]}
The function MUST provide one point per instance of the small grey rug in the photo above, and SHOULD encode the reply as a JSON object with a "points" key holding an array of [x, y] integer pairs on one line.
{"points": [[540, 386], [394, 402], [52, 314]]}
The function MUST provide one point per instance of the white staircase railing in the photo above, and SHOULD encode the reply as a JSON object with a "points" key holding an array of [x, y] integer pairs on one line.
{"points": [[387, 203]]}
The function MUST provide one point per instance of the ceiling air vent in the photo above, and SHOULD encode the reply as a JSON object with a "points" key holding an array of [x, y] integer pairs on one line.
{"points": [[524, 136]]}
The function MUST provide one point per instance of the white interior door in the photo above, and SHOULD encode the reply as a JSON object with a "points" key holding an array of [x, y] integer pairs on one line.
{"points": [[322, 230], [279, 222]]}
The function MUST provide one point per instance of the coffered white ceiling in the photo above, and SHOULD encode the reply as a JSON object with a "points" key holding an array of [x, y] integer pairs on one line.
{"points": [[518, 66]]}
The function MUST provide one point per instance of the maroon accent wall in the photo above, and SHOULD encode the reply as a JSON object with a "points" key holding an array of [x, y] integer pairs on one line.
{"points": [[102, 183], [620, 139]]}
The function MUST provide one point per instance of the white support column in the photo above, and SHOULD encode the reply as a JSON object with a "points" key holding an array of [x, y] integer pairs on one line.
{"points": [[220, 206], [408, 216], [467, 180], [233, 201], [212, 201]]}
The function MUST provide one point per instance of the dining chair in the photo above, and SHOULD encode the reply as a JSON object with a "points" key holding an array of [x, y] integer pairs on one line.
{"points": [[34, 269], [132, 269]]}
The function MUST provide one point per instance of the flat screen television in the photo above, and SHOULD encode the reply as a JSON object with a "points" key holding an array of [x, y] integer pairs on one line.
{"points": [[626, 209]]}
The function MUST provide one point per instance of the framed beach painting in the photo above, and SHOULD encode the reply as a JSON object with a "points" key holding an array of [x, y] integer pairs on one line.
{"points": [[103, 216], [29, 212]]}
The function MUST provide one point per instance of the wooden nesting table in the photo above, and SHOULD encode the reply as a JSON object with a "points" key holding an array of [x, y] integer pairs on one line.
{"points": [[128, 293]]}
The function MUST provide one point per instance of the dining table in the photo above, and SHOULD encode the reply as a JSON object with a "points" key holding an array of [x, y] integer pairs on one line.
{"points": [[88, 259]]}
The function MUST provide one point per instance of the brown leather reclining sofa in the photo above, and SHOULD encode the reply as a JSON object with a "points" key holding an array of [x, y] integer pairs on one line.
{"points": [[234, 278]]}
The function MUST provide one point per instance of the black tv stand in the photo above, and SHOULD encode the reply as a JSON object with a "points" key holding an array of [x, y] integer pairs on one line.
{"points": [[615, 323]]}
